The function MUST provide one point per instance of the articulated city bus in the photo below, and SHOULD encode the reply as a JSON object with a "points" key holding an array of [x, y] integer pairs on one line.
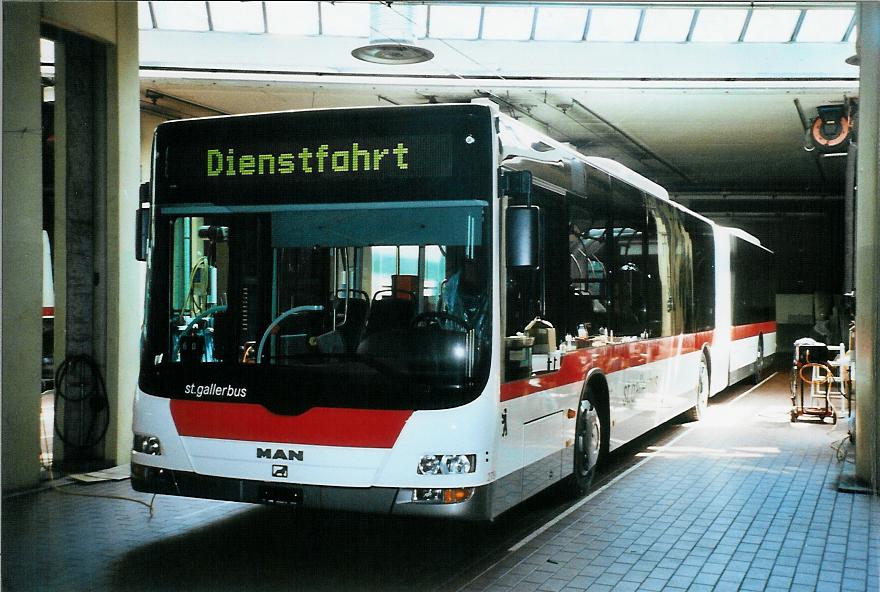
{"points": [[429, 310]]}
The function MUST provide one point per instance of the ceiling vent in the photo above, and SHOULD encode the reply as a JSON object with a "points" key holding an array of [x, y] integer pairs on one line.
{"points": [[392, 37]]}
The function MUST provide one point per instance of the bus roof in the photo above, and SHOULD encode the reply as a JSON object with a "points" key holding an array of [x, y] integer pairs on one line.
{"points": [[533, 145]]}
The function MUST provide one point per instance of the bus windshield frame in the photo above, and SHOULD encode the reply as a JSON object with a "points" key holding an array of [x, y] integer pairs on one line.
{"points": [[268, 289]]}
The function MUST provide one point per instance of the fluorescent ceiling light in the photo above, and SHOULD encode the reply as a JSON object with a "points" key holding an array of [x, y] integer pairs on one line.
{"points": [[181, 16], [237, 17], [560, 23], [666, 24], [345, 19], [454, 22], [513, 23], [145, 20], [825, 25], [392, 37], [613, 24], [719, 25], [771, 25], [292, 18]]}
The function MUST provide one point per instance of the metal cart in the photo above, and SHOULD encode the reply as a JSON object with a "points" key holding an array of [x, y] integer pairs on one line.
{"points": [[811, 378]]}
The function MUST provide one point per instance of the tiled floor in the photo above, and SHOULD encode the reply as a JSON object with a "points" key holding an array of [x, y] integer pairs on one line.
{"points": [[743, 500]]}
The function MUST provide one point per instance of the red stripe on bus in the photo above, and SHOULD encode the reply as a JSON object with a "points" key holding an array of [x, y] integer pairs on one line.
{"points": [[753, 330], [614, 358], [320, 426]]}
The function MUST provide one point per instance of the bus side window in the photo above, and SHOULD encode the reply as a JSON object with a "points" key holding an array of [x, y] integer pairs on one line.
{"points": [[704, 268], [588, 275], [674, 256], [629, 273]]}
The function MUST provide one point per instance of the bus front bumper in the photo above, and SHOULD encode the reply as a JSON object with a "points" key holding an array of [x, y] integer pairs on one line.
{"points": [[371, 500]]}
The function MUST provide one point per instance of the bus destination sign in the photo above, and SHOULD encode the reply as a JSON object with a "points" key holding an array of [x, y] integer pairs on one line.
{"points": [[381, 154]]}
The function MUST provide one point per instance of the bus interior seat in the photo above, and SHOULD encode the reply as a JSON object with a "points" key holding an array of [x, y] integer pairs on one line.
{"points": [[394, 311]]}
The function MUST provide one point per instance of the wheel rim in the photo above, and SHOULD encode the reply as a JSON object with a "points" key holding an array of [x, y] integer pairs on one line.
{"points": [[589, 437]]}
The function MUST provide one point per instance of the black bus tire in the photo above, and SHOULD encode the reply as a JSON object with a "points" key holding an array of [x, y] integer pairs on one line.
{"points": [[588, 449], [760, 370]]}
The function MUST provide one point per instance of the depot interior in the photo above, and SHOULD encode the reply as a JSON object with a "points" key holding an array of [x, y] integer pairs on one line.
{"points": [[748, 112]]}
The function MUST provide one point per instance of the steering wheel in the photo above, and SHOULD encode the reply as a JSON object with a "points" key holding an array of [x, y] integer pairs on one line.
{"points": [[293, 311], [436, 318]]}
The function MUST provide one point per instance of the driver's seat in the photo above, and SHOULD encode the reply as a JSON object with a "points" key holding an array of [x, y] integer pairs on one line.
{"points": [[351, 329]]}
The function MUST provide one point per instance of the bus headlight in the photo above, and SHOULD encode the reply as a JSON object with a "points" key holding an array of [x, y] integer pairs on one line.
{"points": [[447, 464], [147, 445]]}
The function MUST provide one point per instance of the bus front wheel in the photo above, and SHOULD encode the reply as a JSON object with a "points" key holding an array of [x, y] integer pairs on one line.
{"points": [[587, 445]]}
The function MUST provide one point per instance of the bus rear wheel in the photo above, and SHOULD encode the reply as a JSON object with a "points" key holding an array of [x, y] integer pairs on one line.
{"points": [[760, 365], [587, 445], [698, 411]]}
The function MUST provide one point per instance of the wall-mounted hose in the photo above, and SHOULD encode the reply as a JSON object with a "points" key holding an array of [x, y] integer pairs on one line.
{"points": [[78, 381]]}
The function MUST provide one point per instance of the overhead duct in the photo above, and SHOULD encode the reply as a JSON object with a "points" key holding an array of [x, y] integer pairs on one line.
{"points": [[392, 37]]}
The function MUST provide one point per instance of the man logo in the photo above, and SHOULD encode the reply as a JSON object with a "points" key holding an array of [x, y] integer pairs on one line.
{"points": [[279, 471], [279, 454]]}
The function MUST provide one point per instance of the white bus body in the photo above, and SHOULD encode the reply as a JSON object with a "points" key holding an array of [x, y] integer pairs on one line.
{"points": [[202, 431]]}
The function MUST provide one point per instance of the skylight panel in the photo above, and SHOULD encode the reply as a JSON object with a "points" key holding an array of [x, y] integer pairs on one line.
{"points": [[719, 25], [47, 51], [560, 23], [771, 25], [454, 22], [345, 19], [237, 17], [292, 18], [613, 24], [418, 15], [666, 24], [186, 15], [512, 23], [145, 20], [824, 25]]}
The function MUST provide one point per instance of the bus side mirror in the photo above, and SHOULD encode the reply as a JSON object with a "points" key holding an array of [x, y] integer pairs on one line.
{"points": [[524, 237], [142, 225]]}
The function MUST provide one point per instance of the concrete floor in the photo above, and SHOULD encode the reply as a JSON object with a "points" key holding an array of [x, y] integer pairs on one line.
{"points": [[743, 500]]}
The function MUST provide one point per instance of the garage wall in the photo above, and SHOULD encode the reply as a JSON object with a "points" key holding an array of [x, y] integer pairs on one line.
{"points": [[114, 24], [21, 245]]}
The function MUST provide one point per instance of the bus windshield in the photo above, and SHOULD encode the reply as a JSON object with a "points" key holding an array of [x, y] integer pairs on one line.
{"points": [[337, 294]]}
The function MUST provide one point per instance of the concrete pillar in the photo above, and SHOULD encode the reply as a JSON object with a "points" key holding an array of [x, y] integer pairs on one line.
{"points": [[81, 80], [867, 374], [125, 275], [22, 224]]}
